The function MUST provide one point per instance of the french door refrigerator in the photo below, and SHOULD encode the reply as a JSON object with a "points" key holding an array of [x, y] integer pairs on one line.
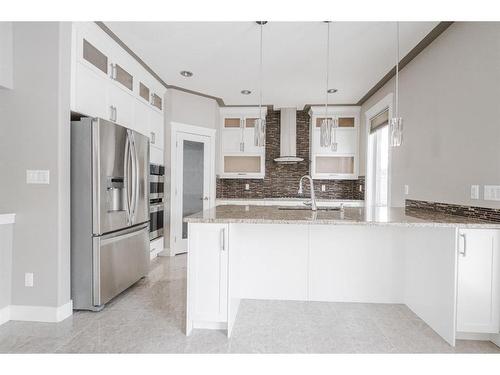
{"points": [[109, 211]]}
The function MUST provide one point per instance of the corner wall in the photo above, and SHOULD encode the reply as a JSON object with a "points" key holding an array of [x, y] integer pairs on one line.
{"points": [[449, 101], [34, 134]]}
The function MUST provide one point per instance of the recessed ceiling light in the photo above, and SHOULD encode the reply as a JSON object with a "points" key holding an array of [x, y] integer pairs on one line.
{"points": [[246, 92], [332, 91], [186, 73]]}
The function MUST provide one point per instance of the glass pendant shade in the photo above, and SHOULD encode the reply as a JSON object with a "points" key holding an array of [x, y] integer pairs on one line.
{"points": [[260, 132], [335, 125], [396, 131], [326, 132]]}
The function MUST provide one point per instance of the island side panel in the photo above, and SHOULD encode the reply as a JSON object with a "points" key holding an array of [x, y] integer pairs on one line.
{"points": [[271, 260], [352, 263], [431, 277]]}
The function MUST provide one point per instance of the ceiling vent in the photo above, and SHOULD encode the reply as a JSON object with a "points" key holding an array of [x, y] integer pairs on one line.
{"points": [[288, 137]]}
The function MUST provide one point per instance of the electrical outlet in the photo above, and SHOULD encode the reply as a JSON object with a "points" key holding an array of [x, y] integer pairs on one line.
{"points": [[407, 189], [323, 188], [28, 279], [247, 186], [474, 192], [360, 188], [37, 176]]}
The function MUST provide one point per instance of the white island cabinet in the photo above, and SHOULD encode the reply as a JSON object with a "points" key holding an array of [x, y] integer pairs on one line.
{"points": [[208, 271], [478, 301], [361, 255]]}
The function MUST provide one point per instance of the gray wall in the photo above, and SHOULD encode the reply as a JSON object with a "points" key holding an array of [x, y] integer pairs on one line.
{"points": [[35, 135], [187, 109], [449, 100], [5, 264], [6, 51]]}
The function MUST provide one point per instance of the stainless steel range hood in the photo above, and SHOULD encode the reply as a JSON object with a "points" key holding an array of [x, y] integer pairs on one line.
{"points": [[288, 137]]}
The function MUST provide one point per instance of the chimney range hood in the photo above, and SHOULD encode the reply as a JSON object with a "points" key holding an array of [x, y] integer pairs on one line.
{"points": [[288, 137]]}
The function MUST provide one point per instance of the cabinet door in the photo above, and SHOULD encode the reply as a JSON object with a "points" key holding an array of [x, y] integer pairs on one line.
{"points": [[207, 267], [142, 117], [124, 104], [346, 142], [478, 281], [156, 128], [249, 136], [91, 93], [231, 140]]}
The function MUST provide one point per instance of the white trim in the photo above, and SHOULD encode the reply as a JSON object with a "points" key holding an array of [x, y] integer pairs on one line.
{"points": [[41, 313], [492, 337], [4, 315], [209, 325], [242, 111], [386, 102]]}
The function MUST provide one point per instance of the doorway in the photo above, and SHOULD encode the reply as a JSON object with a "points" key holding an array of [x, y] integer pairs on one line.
{"points": [[194, 182], [378, 154]]}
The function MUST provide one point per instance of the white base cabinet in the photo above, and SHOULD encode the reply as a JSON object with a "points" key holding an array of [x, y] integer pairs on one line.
{"points": [[207, 274], [478, 301]]}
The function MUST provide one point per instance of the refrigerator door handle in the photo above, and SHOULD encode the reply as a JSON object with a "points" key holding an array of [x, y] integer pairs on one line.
{"points": [[137, 182], [133, 152], [126, 166]]}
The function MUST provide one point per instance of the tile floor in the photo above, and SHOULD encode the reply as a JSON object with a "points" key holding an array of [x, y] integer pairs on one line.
{"points": [[149, 318]]}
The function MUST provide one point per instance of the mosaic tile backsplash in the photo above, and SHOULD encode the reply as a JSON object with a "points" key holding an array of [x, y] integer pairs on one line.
{"points": [[483, 213], [282, 180]]}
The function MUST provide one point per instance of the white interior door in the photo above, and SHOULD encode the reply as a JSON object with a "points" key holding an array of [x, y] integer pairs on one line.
{"points": [[193, 183]]}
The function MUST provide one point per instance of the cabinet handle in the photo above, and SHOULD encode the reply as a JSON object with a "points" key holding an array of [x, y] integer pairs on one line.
{"points": [[464, 251], [111, 113], [242, 146], [153, 137], [223, 239], [116, 113], [113, 71]]}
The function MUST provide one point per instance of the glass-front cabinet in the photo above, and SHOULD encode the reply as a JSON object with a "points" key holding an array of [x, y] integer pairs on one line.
{"points": [[340, 163], [239, 157]]}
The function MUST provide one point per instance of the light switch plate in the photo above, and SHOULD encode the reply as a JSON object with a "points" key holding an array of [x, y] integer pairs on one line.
{"points": [[37, 176], [407, 189], [28, 279], [323, 188], [474, 192], [491, 193]]}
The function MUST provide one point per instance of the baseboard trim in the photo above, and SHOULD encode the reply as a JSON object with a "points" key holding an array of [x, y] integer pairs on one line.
{"points": [[41, 313], [492, 337], [4, 315]]}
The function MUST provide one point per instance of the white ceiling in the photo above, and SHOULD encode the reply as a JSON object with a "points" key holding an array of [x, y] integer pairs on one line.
{"points": [[224, 57]]}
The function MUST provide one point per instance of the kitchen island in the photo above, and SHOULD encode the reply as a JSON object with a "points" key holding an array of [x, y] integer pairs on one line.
{"points": [[419, 258]]}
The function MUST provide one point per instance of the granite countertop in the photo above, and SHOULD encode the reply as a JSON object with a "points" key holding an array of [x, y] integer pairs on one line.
{"points": [[289, 199], [7, 218], [351, 216]]}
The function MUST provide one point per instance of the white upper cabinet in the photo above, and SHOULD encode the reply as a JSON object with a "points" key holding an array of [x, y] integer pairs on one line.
{"points": [[343, 162], [239, 157], [478, 290], [109, 83]]}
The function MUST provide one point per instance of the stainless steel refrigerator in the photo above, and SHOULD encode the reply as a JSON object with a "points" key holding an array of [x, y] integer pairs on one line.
{"points": [[109, 211]]}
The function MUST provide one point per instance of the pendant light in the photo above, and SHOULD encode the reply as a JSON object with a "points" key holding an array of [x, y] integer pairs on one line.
{"points": [[328, 128], [260, 123], [396, 121]]}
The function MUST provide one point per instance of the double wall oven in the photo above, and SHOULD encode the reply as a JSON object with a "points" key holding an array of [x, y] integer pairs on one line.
{"points": [[156, 200]]}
